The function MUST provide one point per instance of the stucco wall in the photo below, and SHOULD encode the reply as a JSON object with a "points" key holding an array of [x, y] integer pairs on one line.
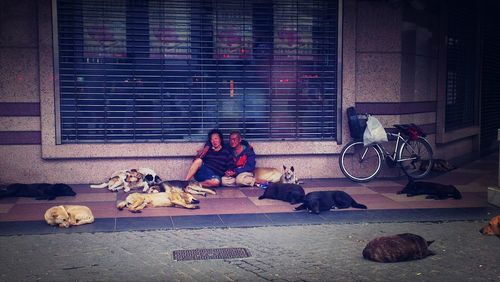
{"points": [[382, 72]]}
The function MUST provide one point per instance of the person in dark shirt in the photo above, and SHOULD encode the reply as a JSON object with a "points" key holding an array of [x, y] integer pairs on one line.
{"points": [[212, 162], [244, 162]]}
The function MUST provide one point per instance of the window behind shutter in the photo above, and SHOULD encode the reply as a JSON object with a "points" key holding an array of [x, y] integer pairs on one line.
{"points": [[153, 71]]}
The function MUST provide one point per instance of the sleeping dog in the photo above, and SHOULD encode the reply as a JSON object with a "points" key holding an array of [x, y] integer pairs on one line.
{"points": [[493, 227], [172, 197], [401, 247], [267, 174], [130, 179], [40, 191], [188, 186], [68, 215], [287, 192], [319, 201], [432, 190]]}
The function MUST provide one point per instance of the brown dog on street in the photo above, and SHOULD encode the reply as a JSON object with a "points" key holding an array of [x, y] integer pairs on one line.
{"points": [[493, 227], [396, 248], [68, 215]]}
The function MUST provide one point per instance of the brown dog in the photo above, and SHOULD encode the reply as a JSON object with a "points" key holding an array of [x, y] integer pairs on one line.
{"points": [[267, 174], [136, 202], [493, 227], [401, 247], [68, 215]]}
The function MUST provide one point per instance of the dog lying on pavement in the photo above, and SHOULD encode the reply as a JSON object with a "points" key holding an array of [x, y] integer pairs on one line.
{"points": [[438, 165], [401, 247], [292, 193], [432, 190], [130, 179], [493, 227], [188, 186], [136, 202], [319, 201], [68, 215], [39, 191], [267, 174]]}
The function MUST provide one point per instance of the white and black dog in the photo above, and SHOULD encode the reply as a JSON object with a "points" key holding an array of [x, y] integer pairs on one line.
{"points": [[289, 176], [130, 179]]}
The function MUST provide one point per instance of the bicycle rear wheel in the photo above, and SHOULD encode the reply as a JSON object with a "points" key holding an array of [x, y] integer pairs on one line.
{"points": [[415, 158], [360, 163]]}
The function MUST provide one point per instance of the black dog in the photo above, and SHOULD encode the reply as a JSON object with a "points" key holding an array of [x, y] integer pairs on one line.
{"points": [[288, 192], [39, 191], [319, 201], [432, 190]]}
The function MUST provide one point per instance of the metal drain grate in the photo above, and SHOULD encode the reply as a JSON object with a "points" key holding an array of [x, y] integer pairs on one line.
{"points": [[204, 254]]}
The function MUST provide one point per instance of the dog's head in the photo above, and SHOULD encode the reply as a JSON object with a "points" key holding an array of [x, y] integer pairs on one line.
{"points": [[493, 227], [57, 215], [152, 179], [288, 174], [410, 186], [156, 189], [134, 202], [61, 189], [133, 176], [188, 198]]}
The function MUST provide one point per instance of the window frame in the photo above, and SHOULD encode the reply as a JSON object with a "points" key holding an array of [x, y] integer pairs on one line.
{"points": [[49, 105]]}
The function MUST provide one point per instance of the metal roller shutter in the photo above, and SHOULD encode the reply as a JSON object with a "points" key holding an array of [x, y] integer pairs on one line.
{"points": [[156, 71]]}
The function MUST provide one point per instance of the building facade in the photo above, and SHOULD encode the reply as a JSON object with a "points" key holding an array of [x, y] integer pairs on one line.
{"points": [[91, 87]]}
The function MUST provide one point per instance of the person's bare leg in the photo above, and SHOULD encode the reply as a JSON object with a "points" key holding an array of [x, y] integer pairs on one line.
{"points": [[210, 183], [194, 168]]}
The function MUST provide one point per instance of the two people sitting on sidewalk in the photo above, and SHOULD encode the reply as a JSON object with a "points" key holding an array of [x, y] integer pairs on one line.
{"points": [[218, 163]]}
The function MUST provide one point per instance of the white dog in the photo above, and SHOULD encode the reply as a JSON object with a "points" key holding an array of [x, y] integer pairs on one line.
{"points": [[289, 176]]}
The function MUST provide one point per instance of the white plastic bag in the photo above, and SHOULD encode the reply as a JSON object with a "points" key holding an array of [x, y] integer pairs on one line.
{"points": [[374, 132]]}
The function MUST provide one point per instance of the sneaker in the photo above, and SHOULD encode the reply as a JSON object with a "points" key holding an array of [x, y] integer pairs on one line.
{"points": [[262, 185]]}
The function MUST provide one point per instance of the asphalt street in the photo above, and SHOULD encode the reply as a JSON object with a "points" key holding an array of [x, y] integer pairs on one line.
{"points": [[325, 252]]}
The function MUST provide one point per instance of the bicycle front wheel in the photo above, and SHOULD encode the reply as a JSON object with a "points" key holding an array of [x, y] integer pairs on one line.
{"points": [[415, 158], [360, 163]]}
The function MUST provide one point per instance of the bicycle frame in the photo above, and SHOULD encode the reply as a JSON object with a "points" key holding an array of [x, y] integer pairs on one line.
{"points": [[399, 140]]}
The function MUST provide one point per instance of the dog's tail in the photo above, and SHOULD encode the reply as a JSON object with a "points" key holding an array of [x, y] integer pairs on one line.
{"points": [[99, 186], [358, 205]]}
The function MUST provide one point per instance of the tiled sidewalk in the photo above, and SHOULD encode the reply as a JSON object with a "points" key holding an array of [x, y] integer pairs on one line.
{"points": [[241, 207]]}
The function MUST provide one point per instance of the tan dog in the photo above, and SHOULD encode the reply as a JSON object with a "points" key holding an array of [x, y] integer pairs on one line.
{"points": [[192, 187], [136, 202], [68, 215], [267, 174], [127, 180], [493, 227]]}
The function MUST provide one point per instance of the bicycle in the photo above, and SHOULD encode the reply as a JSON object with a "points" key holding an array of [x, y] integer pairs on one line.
{"points": [[412, 152]]}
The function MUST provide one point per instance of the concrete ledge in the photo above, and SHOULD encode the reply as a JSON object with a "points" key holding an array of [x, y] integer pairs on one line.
{"points": [[494, 196]]}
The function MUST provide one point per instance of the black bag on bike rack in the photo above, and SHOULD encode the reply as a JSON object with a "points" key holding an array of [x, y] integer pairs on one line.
{"points": [[357, 123]]}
